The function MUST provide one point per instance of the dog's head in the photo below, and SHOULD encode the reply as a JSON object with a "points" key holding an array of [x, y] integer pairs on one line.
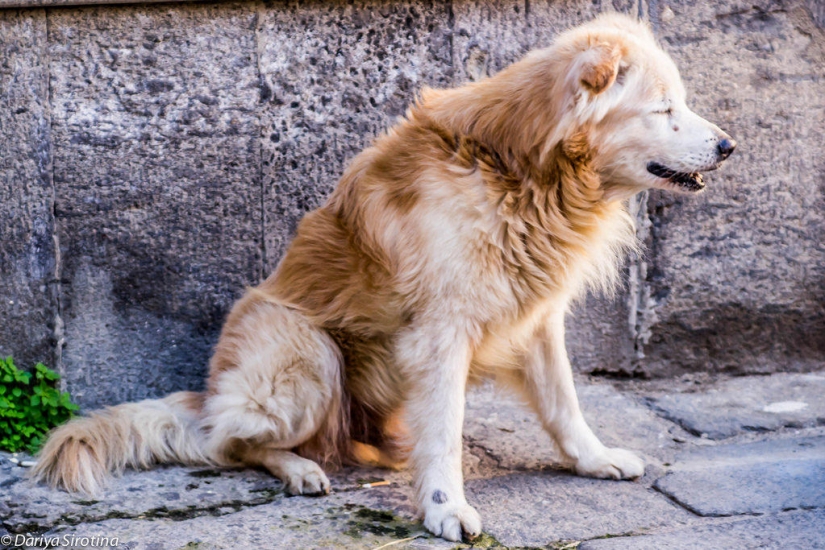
{"points": [[624, 96]]}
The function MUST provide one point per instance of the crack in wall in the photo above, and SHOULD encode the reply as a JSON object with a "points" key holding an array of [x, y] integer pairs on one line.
{"points": [[56, 288], [259, 51], [640, 304]]}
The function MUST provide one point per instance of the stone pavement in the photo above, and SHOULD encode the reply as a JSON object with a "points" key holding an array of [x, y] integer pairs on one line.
{"points": [[732, 463]]}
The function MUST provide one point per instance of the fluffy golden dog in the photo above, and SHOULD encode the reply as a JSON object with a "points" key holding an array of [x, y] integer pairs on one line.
{"points": [[448, 253]]}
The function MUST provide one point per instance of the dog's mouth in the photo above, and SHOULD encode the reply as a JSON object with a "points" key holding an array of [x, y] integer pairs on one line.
{"points": [[692, 181]]}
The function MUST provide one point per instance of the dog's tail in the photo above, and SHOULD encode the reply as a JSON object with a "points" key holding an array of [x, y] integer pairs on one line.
{"points": [[80, 455]]}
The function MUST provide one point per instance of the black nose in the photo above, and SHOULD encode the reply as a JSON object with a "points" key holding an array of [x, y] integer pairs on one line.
{"points": [[725, 148]]}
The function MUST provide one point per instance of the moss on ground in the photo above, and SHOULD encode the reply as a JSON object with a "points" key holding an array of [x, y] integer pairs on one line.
{"points": [[380, 523]]}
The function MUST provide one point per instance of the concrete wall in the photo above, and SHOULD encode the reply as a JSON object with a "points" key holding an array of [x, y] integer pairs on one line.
{"points": [[155, 159]]}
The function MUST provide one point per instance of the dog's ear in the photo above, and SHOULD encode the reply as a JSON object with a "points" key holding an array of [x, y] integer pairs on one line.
{"points": [[599, 66]]}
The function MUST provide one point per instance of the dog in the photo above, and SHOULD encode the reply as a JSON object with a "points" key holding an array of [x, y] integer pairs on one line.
{"points": [[448, 254]]}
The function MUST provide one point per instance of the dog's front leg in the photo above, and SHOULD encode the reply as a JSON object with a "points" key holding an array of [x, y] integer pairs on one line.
{"points": [[549, 385], [436, 365]]}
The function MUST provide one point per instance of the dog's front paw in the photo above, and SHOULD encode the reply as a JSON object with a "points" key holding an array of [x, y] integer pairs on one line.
{"points": [[448, 521], [611, 464]]}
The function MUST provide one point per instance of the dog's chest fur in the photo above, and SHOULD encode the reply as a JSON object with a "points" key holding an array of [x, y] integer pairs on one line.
{"points": [[545, 254], [465, 241]]}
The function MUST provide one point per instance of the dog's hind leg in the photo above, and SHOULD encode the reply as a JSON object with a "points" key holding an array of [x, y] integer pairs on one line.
{"points": [[275, 387], [548, 385], [300, 476]]}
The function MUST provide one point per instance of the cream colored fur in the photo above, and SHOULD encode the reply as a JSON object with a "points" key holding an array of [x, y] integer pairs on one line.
{"points": [[448, 254]]}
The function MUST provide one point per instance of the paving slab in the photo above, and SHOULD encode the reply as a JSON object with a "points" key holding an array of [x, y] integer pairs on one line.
{"points": [[341, 520], [790, 530], [505, 432], [621, 420], [755, 478], [175, 492], [518, 510], [162, 492], [748, 404], [511, 435], [546, 505], [537, 509]]}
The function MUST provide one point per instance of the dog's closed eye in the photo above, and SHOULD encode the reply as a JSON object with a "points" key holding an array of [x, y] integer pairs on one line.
{"points": [[622, 74]]}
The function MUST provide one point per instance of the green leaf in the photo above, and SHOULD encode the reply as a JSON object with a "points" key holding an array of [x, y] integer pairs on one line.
{"points": [[29, 410]]}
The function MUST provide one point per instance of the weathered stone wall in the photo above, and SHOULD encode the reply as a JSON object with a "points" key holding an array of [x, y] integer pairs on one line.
{"points": [[738, 276], [28, 271], [155, 159]]}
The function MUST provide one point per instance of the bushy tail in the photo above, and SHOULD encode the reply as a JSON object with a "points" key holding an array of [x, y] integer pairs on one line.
{"points": [[81, 454]]}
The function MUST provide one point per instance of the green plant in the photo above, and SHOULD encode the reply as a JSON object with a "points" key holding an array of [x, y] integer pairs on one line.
{"points": [[30, 405]]}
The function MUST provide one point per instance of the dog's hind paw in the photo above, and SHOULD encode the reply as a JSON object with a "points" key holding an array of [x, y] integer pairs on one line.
{"points": [[448, 521], [611, 464], [306, 478]]}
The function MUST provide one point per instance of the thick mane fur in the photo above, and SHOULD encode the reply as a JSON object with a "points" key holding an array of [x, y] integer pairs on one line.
{"points": [[551, 223]]}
